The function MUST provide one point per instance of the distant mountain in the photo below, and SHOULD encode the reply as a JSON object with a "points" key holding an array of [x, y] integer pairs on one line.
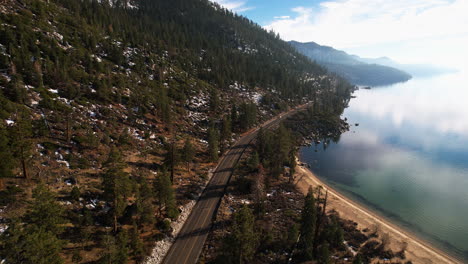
{"points": [[352, 67], [416, 70]]}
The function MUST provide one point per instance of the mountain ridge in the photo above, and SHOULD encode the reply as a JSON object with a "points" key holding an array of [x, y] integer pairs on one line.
{"points": [[351, 67]]}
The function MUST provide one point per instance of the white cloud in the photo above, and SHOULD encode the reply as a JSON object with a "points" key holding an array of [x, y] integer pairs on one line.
{"points": [[282, 17], [234, 5], [353, 24]]}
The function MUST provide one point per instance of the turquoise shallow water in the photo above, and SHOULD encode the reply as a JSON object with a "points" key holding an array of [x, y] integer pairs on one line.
{"points": [[407, 158]]}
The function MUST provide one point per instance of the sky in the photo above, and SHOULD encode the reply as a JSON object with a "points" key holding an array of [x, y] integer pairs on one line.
{"points": [[408, 31]]}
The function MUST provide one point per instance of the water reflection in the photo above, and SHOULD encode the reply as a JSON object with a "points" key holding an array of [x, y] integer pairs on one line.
{"points": [[408, 157], [431, 103]]}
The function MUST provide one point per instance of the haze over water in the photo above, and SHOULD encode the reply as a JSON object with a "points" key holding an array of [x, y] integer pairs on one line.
{"points": [[408, 158]]}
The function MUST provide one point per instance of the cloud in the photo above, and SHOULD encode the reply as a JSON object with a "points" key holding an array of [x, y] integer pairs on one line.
{"points": [[282, 17], [351, 24], [234, 5]]}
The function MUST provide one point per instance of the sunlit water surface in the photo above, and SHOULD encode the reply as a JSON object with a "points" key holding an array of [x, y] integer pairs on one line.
{"points": [[407, 158]]}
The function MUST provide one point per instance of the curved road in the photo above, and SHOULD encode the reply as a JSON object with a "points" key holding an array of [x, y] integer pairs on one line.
{"points": [[189, 243]]}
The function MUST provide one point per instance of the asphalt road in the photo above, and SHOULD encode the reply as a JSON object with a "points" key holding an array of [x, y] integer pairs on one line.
{"points": [[189, 243]]}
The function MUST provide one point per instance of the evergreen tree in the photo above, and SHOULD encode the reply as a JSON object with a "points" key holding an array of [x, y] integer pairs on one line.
{"points": [[188, 153], [213, 143], [144, 203], [21, 134], [136, 244], [254, 161], [15, 90], [165, 196], [117, 185], [292, 165], [214, 101], [36, 246], [45, 212], [358, 259], [75, 193], [293, 234], [308, 222], [248, 115], [109, 254], [334, 234], [282, 149], [172, 158], [245, 238], [36, 241], [226, 132], [234, 116], [324, 254], [6, 165], [261, 144], [43, 247], [122, 254], [259, 191]]}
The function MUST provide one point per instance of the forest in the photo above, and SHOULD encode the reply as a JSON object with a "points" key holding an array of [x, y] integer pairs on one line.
{"points": [[112, 113]]}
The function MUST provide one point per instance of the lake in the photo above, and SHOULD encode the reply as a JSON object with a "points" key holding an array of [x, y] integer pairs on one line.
{"points": [[407, 158]]}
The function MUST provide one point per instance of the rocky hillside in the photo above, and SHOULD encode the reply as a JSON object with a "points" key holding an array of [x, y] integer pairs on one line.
{"points": [[113, 112]]}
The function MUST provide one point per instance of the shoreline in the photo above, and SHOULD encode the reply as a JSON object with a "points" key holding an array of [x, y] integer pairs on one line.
{"points": [[417, 250]]}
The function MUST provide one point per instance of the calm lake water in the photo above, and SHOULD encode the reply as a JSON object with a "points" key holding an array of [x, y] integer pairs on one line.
{"points": [[408, 157]]}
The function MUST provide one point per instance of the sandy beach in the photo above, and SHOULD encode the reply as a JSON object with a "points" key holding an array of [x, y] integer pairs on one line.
{"points": [[417, 251]]}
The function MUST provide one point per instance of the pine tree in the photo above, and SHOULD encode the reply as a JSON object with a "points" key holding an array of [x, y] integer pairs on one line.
{"points": [[214, 101], [34, 246], [6, 165], [308, 222], [75, 193], [136, 244], [213, 143], [109, 243], [358, 259], [165, 196], [21, 134], [324, 254], [45, 212], [234, 116], [244, 236], [172, 158], [117, 185], [334, 234], [261, 144], [42, 247], [188, 153], [292, 165], [248, 115], [36, 241], [226, 132], [122, 254], [254, 161], [293, 234], [144, 203], [258, 191]]}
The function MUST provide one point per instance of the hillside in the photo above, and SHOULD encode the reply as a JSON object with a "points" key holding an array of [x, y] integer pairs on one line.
{"points": [[356, 70], [112, 114]]}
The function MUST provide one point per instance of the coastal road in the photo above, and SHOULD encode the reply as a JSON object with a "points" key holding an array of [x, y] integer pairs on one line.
{"points": [[189, 243]]}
